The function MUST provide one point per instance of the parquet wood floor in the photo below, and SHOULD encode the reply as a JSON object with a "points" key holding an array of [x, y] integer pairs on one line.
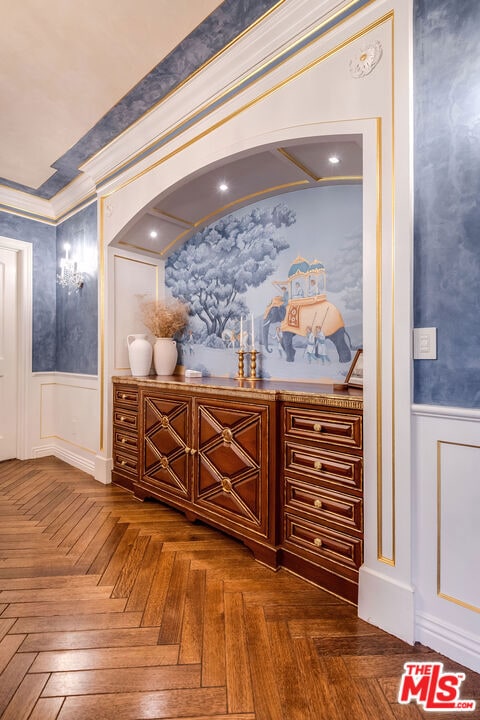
{"points": [[115, 609]]}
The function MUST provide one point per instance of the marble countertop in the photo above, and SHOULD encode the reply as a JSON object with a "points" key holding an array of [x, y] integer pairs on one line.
{"points": [[328, 394]]}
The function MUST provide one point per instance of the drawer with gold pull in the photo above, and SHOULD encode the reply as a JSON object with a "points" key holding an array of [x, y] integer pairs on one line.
{"points": [[324, 505], [125, 395], [322, 541], [345, 471], [124, 441], [323, 426], [124, 463], [125, 418]]}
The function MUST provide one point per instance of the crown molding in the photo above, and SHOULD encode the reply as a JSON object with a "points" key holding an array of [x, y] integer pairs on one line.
{"points": [[79, 193], [21, 203]]}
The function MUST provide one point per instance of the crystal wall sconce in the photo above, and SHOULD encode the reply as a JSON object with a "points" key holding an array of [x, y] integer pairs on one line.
{"points": [[69, 276]]}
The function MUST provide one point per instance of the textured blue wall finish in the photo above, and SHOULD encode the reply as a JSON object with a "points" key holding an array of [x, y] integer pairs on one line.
{"points": [[77, 310], [42, 238], [447, 197]]}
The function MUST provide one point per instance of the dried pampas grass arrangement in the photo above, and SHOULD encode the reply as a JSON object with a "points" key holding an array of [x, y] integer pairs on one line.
{"points": [[164, 318]]}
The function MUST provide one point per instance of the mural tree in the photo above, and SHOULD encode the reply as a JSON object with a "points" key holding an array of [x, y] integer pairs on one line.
{"points": [[345, 276], [213, 269]]}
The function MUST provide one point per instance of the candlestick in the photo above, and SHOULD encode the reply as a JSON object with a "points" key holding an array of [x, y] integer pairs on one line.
{"points": [[253, 365], [241, 364]]}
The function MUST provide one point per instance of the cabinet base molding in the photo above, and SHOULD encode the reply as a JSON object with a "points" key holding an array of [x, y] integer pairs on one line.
{"points": [[320, 576]]}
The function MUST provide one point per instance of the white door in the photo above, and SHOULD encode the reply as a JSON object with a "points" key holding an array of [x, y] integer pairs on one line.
{"points": [[8, 353]]}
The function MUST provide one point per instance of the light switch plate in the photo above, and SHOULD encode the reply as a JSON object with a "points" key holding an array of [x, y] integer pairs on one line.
{"points": [[425, 343]]}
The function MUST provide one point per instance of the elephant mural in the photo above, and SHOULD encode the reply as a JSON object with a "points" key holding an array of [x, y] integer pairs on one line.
{"points": [[306, 312]]}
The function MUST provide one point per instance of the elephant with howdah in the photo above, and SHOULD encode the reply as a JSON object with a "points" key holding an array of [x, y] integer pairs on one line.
{"points": [[302, 313]]}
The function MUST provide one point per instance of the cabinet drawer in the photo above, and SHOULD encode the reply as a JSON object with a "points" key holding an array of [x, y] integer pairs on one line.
{"points": [[323, 542], [324, 427], [345, 471], [124, 463], [324, 505], [125, 418], [125, 395], [124, 442]]}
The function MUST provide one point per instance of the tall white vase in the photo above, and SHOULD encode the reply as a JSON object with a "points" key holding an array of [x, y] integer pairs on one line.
{"points": [[165, 356], [139, 355]]}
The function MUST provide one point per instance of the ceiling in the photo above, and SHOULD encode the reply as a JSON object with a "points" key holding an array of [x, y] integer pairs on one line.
{"points": [[75, 74], [241, 180], [66, 63]]}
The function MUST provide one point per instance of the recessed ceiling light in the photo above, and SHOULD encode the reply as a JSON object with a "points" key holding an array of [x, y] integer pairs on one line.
{"points": [[223, 187], [333, 159], [153, 234]]}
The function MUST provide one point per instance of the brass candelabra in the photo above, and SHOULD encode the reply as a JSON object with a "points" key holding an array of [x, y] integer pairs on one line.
{"points": [[241, 364]]}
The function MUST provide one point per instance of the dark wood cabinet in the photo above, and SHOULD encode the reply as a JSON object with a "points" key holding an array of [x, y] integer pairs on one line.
{"points": [[125, 435], [166, 445], [281, 471], [322, 499]]}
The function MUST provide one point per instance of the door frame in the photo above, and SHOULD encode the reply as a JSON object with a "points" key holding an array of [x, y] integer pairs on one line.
{"points": [[24, 252]]}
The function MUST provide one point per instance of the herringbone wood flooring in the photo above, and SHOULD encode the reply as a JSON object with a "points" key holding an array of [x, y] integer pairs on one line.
{"points": [[110, 608]]}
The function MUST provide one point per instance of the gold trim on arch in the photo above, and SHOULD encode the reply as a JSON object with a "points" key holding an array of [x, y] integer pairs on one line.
{"points": [[226, 207], [440, 594]]}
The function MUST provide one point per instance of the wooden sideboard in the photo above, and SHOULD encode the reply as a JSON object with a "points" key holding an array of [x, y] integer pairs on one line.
{"points": [[276, 465]]}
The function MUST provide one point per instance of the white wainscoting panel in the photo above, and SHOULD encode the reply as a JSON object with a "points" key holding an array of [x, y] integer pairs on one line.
{"points": [[135, 280], [66, 423], [459, 526], [447, 531]]}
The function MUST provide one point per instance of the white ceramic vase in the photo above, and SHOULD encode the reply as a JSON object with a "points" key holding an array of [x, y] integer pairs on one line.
{"points": [[139, 355], [165, 355]]}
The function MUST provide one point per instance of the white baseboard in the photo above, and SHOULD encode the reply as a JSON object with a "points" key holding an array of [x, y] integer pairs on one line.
{"points": [[78, 461], [103, 469], [387, 604], [449, 640]]}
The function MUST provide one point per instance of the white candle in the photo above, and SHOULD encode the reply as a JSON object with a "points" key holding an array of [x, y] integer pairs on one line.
{"points": [[241, 333], [253, 334]]}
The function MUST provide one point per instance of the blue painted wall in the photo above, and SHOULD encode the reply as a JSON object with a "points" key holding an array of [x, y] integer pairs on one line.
{"points": [[42, 237], [64, 336], [447, 198], [77, 311]]}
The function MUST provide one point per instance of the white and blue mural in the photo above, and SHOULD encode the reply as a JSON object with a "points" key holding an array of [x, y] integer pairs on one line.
{"points": [[284, 274]]}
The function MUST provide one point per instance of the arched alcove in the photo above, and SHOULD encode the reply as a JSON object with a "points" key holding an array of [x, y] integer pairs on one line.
{"points": [[293, 105]]}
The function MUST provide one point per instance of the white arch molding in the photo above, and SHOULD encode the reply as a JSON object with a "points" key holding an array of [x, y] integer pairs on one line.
{"points": [[312, 94]]}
